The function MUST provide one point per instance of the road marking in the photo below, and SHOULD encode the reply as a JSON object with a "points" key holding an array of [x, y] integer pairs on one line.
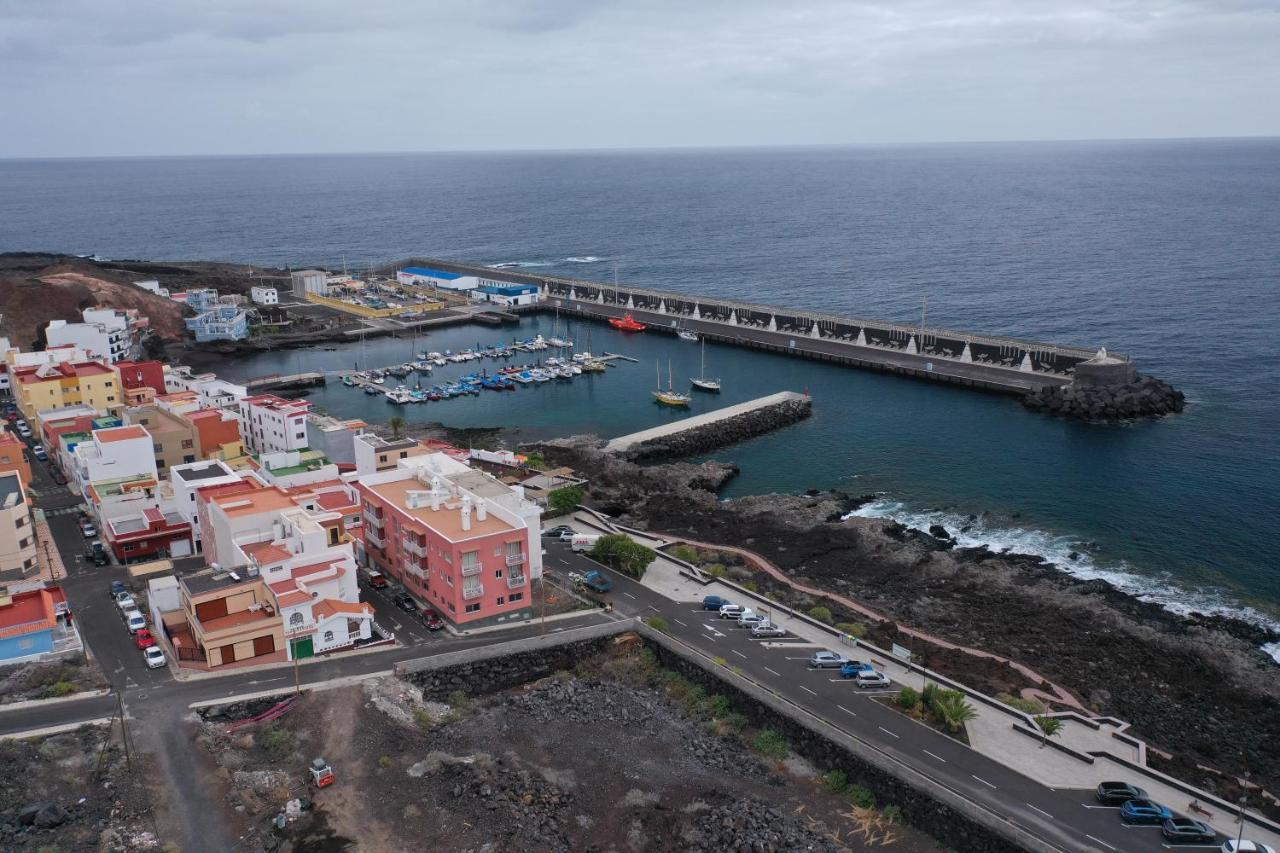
{"points": [[739, 654], [1042, 811], [654, 609], [939, 757], [807, 690], [1087, 806], [846, 710], [789, 657], [984, 781], [886, 731], [629, 595], [712, 630], [678, 622], [775, 672], [709, 637], [1100, 841]]}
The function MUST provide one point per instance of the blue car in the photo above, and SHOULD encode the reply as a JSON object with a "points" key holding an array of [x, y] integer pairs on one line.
{"points": [[714, 602], [1144, 811], [853, 667]]}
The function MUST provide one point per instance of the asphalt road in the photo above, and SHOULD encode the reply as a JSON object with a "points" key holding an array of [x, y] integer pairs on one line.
{"points": [[1069, 819]]}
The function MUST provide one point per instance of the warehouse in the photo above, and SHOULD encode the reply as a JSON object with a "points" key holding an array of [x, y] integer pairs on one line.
{"points": [[425, 276], [506, 294]]}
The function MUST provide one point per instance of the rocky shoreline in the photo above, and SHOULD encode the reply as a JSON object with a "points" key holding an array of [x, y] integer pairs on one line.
{"points": [[1164, 673], [1146, 397], [714, 436]]}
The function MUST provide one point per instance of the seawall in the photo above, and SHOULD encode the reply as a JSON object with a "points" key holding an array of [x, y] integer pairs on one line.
{"points": [[713, 430]]}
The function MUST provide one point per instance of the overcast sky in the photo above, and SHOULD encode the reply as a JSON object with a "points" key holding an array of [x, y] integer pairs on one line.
{"points": [[137, 77]]}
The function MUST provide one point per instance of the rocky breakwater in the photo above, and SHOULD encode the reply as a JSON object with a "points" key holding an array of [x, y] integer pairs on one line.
{"points": [[715, 434], [1145, 397]]}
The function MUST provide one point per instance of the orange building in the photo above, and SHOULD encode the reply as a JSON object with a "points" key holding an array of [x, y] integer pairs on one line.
{"points": [[13, 457]]}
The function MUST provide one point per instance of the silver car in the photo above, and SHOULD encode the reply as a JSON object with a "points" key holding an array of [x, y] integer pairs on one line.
{"points": [[768, 630], [827, 660]]}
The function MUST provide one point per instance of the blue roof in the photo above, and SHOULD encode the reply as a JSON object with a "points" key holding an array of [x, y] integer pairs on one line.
{"points": [[509, 289], [430, 273]]}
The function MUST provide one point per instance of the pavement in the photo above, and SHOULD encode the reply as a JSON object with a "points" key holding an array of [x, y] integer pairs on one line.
{"points": [[1040, 790]]}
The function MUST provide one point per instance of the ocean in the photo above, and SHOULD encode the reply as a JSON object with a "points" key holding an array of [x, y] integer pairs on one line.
{"points": [[1163, 250]]}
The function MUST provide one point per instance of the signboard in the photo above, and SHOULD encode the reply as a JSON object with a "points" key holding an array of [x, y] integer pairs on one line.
{"points": [[901, 652]]}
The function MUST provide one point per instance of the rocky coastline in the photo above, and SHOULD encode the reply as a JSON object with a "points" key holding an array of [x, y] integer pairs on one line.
{"points": [[1164, 673], [1145, 397], [714, 436]]}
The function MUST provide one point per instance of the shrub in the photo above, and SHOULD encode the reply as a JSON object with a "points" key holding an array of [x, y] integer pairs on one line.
{"points": [[750, 586], [908, 698], [385, 761], [735, 721], [822, 614], [930, 694], [719, 661], [861, 797], [675, 684], [770, 744], [61, 688], [953, 710], [423, 718], [277, 742], [893, 814], [716, 570], [657, 623], [688, 553], [410, 811], [535, 459], [693, 696], [853, 629], [719, 705], [623, 553], [836, 781], [1027, 706], [564, 500]]}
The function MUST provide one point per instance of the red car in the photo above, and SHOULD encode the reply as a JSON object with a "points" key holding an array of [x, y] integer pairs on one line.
{"points": [[377, 580], [143, 639], [432, 620]]}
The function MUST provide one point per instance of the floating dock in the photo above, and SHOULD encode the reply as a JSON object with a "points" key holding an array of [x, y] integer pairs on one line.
{"points": [[625, 443]]}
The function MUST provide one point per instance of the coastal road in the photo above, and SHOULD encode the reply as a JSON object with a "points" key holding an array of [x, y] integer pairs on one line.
{"points": [[1069, 819]]}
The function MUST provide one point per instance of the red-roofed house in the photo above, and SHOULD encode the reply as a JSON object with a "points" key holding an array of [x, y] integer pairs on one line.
{"points": [[142, 381], [148, 535]]}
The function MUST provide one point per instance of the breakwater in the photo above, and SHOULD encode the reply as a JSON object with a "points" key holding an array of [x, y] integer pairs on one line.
{"points": [[984, 362], [713, 430]]}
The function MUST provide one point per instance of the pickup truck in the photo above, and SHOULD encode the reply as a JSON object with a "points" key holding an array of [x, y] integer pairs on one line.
{"points": [[594, 581]]}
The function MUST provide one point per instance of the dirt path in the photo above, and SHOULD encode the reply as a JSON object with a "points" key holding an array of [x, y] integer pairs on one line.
{"points": [[350, 814]]}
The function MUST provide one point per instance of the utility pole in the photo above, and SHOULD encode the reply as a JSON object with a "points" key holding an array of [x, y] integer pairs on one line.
{"points": [[1244, 798], [542, 588], [297, 677], [124, 728]]}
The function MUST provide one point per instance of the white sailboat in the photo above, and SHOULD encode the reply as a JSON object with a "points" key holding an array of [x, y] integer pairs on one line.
{"points": [[703, 383]]}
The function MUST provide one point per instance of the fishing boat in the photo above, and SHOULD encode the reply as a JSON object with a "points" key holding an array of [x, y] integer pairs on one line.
{"points": [[703, 383], [669, 397], [349, 381], [372, 389], [627, 323], [687, 335]]}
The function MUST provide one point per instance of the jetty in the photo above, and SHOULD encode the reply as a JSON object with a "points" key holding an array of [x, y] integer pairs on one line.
{"points": [[705, 432], [987, 362]]}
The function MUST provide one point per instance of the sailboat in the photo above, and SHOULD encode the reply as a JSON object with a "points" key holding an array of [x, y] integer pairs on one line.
{"points": [[669, 397], [702, 383], [687, 334]]}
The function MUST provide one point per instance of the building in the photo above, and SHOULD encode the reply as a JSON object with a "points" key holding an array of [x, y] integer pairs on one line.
{"points": [[115, 462], [271, 424], [174, 439], [110, 345], [225, 617], [181, 491], [202, 299], [264, 295], [334, 437], [211, 392], [217, 433], [152, 286], [148, 534], [34, 621], [506, 295], [61, 433], [17, 534], [141, 381], [55, 386], [374, 453], [455, 537], [310, 281], [294, 468], [427, 277], [220, 323], [13, 457]]}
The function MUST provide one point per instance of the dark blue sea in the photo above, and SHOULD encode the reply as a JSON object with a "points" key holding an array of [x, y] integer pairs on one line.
{"points": [[1168, 251]]}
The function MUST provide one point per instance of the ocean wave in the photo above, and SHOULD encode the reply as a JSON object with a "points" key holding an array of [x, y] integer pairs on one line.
{"points": [[583, 259], [508, 264], [1073, 557]]}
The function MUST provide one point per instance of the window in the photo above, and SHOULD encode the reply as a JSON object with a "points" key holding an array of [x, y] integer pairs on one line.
{"points": [[516, 596], [295, 620], [328, 636], [187, 444], [501, 600], [473, 608], [24, 543], [498, 573], [188, 458], [159, 463]]}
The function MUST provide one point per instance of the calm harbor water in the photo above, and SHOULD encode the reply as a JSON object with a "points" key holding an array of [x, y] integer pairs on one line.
{"points": [[1164, 250]]}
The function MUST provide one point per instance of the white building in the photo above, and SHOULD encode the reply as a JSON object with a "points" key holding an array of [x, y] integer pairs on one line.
{"points": [[425, 276], [100, 340], [152, 286], [212, 392], [185, 481], [271, 424], [310, 281], [117, 459], [264, 295], [505, 294]]}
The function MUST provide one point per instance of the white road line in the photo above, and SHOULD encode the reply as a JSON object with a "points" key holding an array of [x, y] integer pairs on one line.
{"points": [[1100, 841], [739, 654], [774, 671], [939, 757], [807, 690], [886, 731], [654, 609], [678, 622], [709, 637], [1087, 806], [1042, 811], [846, 710], [983, 781], [628, 595]]}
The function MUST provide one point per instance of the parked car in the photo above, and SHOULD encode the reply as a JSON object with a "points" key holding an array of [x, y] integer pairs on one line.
{"points": [[38, 450], [1118, 793], [58, 477], [432, 620], [732, 611], [117, 587], [854, 667], [87, 528], [827, 660], [714, 602], [558, 531], [750, 619], [153, 656], [125, 601], [97, 555], [405, 602], [142, 639], [1144, 811], [134, 620], [1188, 831], [1247, 846], [869, 680], [768, 630], [377, 580]]}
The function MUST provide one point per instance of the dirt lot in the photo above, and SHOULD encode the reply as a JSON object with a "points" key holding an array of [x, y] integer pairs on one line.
{"points": [[21, 682], [74, 791], [616, 756]]}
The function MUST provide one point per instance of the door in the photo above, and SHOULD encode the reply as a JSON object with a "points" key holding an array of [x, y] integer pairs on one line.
{"points": [[302, 648], [180, 548], [211, 609], [228, 654], [264, 645]]}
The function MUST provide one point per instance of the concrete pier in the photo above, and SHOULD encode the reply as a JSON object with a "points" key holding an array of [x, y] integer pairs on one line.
{"points": [[717, 419]]}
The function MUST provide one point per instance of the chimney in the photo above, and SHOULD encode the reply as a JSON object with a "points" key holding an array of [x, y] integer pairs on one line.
{"points": [[482, 510], [466, 513]]}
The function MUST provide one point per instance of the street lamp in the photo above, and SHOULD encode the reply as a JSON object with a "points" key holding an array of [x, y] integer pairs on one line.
{"points": [[1244, 798]]}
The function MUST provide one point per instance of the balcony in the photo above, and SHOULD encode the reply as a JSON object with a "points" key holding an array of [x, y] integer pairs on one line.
{"points": [[373, 536], [412, 545], [515, 559], [372, 520], [471, 569], [516, 579], [470, 591]]}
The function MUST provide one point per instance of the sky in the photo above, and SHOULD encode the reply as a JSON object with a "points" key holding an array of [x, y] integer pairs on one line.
{"points": [[176, 77]]}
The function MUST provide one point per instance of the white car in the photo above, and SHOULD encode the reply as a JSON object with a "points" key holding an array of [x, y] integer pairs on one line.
{"points": [[153, 656], [733, 611], [1246, 846], [868, 679], [134, 620], [125, 601]]}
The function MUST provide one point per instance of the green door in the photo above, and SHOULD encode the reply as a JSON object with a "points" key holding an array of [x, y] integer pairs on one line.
{"points": [[302, 648]]}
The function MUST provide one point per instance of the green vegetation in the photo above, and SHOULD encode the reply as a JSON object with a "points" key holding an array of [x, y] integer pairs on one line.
{"points": [[861, 797], [822, 614], [396, 423], [385, 762], [770, 744], [688, 553], [1049, 727], [908, 698], [564, 500], [719, 661], [1027, 706], [952, 710], [657, 623], [534, 459], [623, 553], [893, 814], [836, 781], [853, 629], [715, 570], [277, 742], [60, 688], [750, 586]]}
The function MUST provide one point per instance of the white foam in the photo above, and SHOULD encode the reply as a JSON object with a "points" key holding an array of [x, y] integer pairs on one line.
{"points": [[508, 264], [1069, 555], [583, 259]]}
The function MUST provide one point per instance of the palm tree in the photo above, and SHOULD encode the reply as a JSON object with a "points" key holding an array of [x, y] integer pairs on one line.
{"points": [[1049, 726], [954, 711], [396, 423]]}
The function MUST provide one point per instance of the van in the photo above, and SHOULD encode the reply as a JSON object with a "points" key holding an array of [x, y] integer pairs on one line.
{"points": [[584, 541]]}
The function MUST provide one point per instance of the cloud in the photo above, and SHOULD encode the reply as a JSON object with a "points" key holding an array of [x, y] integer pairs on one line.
{"points": [[296, 75]]}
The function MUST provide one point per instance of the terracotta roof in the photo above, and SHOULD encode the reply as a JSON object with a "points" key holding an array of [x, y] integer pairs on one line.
{"points": [[30, 612], [120, 433], [331, 606], [334, 500], [254, 501], [231, 620], [314, 568], [292, 599], [265, 553]]}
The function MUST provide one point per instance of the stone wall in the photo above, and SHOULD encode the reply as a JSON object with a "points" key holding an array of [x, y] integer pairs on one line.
{"points": [[1146, 397], [705, 439]]}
